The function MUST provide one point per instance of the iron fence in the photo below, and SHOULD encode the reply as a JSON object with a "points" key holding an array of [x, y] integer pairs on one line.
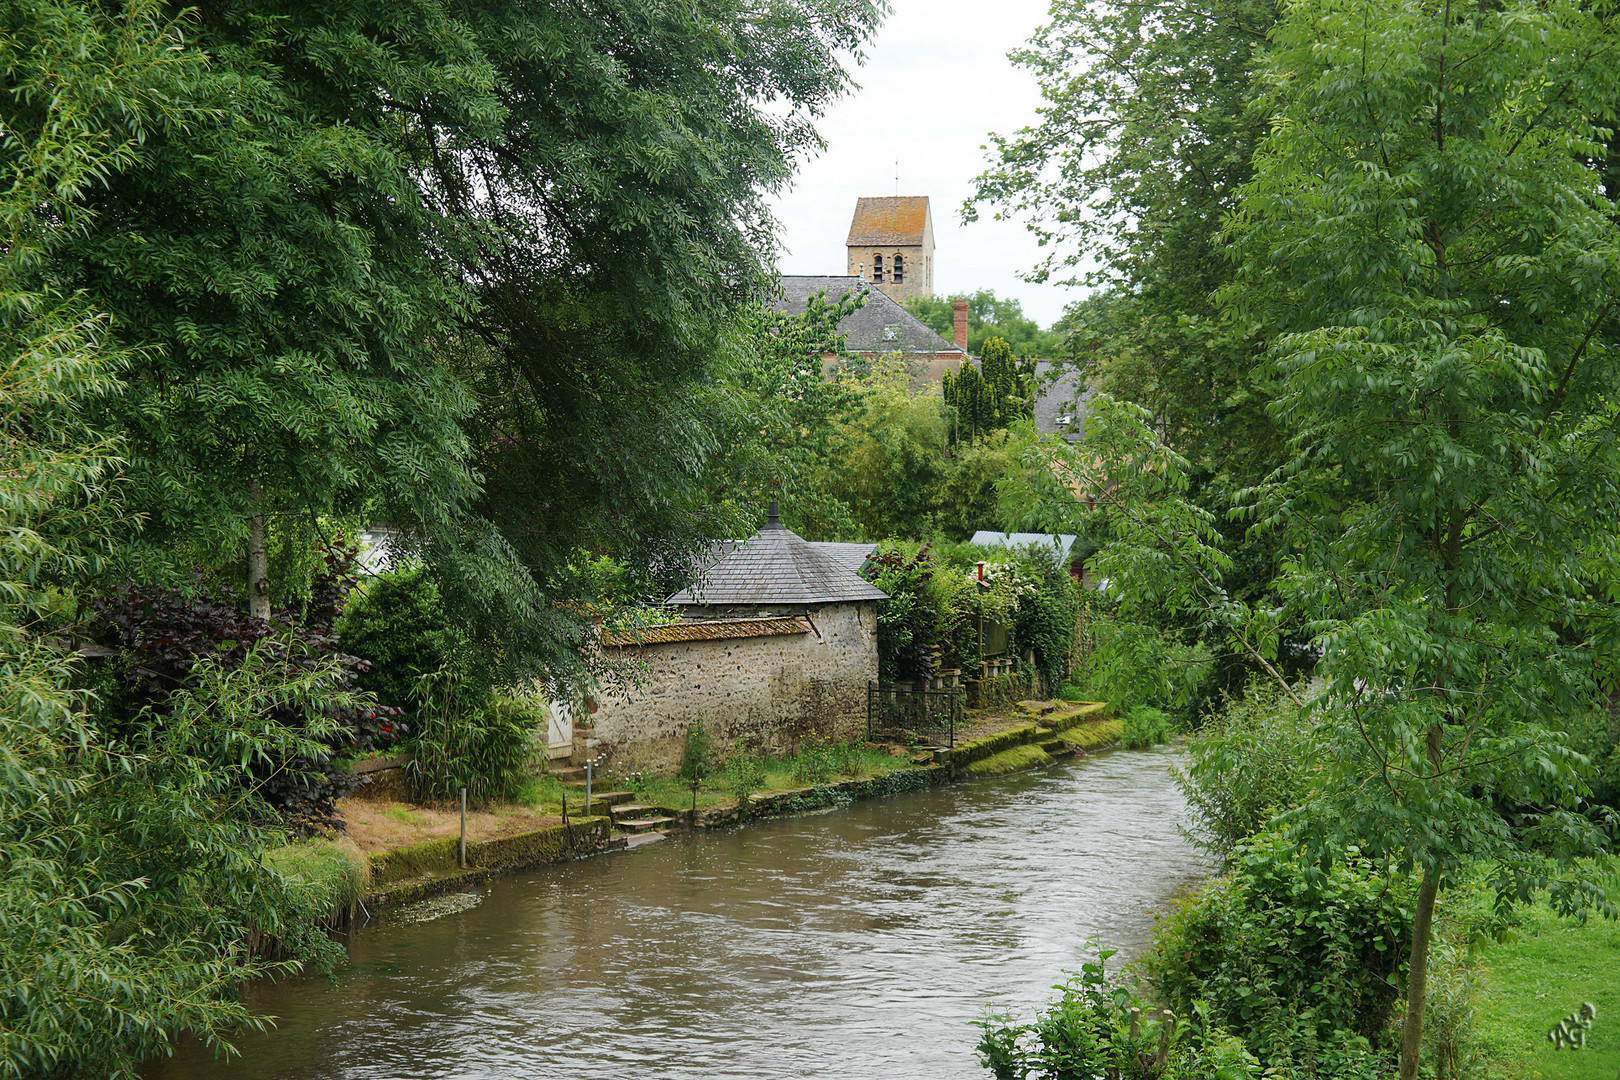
{"points": [[906, 714]]}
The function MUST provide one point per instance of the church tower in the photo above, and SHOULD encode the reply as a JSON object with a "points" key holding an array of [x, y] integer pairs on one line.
{"points": [[891, 244]]}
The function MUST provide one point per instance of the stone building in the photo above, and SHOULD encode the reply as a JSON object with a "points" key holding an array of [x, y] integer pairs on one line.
{"points": [[881, 327], [891, 244], [777, 642]]}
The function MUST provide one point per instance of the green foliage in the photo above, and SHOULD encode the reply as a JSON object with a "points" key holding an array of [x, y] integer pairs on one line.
{"points": [[991, 395], [1595, 734], [989, 316], [1257, 757], [697, 756], [1146, 133], [397, 622], [137, 879], [431, 263], [1145, 726], [744, 776], [969, 492], [1441, 266], [1097, 1030], [487, 745], [909, 620], [1303, 965], [334, 872], [134, 879], [888, 458]]}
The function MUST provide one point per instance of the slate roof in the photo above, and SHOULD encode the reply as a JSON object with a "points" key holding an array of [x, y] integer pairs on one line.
{"points": [[851, 556], [1061, 542], [1064, 397], [882, 222], [882, 326], [720, 630], [777, 566]]}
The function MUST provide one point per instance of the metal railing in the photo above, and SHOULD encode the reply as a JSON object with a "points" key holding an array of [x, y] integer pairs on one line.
{"points": [[906, 714]]}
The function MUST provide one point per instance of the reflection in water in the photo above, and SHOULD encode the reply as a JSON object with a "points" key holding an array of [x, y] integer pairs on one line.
{"points": [[859, 943]]}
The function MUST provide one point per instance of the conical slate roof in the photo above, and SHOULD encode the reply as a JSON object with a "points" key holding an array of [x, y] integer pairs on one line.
{"points": [[777, 566]]}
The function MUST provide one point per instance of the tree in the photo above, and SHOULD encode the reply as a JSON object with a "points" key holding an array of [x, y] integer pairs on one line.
{"points": [[888, 458], [989, 396], [1441, 268], [433, 263], [1141, 147], [134, 871], [988, 316]]}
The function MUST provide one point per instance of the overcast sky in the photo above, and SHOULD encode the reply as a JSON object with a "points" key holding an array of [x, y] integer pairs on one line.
{"points": [[936, 82]]}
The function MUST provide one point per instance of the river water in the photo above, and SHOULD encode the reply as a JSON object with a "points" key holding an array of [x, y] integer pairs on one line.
{"points": [[859, 942]]}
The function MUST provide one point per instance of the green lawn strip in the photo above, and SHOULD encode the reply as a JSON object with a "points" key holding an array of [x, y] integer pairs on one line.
{"points": [[1537, 979]]}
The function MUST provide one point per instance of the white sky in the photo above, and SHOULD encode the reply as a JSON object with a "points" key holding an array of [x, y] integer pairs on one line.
{"points": [[935, 84]]}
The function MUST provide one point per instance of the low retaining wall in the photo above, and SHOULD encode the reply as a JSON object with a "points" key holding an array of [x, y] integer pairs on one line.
{"points": [[422, 871]]}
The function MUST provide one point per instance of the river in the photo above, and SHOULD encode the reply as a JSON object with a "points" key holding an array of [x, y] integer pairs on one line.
{"points": [[858, 942]]}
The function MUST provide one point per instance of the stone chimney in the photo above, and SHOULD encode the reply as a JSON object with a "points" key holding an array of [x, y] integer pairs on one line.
{"points": [[959, 310]]}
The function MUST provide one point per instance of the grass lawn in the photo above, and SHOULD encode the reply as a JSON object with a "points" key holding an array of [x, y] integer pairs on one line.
{"points": [[1533, 982]]}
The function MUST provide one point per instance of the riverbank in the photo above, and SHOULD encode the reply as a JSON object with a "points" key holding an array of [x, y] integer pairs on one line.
{"points": [[402, 854], [863, 942]]}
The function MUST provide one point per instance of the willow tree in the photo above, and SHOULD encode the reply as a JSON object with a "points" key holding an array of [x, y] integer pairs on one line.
{"points": [[1428, 240]]}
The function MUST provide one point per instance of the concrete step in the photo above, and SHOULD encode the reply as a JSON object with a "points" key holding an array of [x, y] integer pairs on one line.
{"points": [[633, 810], [1039, 708], [644, 825], [569, 773]]}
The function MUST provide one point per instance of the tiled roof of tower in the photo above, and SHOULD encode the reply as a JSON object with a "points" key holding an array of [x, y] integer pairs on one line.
{"points": [[882, 326], [891, 220], [777, 566]]}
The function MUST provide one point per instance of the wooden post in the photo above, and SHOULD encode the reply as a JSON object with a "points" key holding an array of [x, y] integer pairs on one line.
{"points": [[461, 852]]}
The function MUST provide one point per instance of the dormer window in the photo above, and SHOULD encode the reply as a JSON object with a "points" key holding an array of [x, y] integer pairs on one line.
{"points": [[899, 275], [877, 269]]}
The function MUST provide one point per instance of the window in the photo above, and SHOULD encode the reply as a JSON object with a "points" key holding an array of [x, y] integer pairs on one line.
{"points": [[877, 269], [899, 275]]}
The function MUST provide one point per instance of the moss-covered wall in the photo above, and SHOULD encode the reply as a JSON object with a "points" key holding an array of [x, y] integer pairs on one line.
{"points": [[556, 844]]}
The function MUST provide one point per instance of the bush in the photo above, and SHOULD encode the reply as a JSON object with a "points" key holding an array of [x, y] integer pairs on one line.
{"points": [[1252, 761], [696, 756], [164, 639], [1303, 966], [1099, 1030], [1145, 726], [486, 745], [909, 620], [396, 622]]}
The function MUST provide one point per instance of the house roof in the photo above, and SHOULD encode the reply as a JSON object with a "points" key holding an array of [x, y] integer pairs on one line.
{"points": [[777, 566], [882, 326], [720, 630], [1063, 396], [1059, 542], [851, 556], [898, 220]]}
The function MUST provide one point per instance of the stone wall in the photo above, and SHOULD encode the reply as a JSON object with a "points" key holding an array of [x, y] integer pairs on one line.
{"points": [[763, 693]]}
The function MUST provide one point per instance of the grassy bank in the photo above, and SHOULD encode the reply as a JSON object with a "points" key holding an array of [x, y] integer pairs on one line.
{"points": [[1529, 983]]}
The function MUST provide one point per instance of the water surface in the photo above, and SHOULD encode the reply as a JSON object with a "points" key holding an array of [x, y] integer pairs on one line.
{"points": [[861, 942]]}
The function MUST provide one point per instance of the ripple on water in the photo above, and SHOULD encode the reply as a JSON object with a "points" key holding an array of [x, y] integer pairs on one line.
{"points": [[863, 942]]}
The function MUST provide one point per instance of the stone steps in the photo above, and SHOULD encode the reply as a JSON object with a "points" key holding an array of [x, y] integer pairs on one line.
{"points": [[644, 825], [639, 818], [600, 800], [568, 774]]}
